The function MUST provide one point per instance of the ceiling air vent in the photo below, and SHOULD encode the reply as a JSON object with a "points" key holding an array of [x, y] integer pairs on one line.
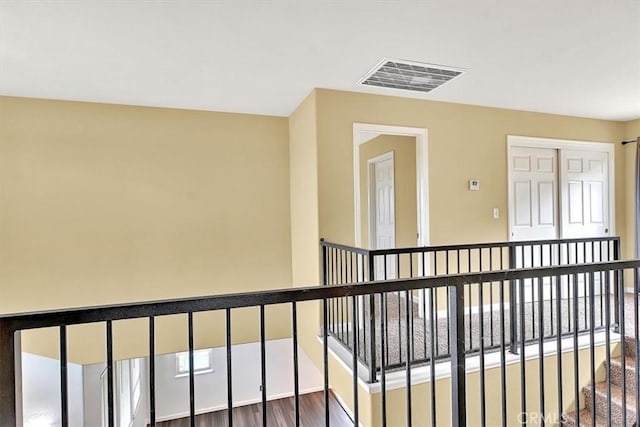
{"points": [[408, 75]]}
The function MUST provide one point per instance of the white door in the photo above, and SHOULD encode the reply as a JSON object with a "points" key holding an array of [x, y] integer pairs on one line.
{"points": [[534, 210], [382, 222], [578, 185], [532, 187], [585, 189]]}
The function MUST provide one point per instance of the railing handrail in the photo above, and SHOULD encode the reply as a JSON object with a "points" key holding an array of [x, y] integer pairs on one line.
{"points": [[73, 316], [465, 246]]}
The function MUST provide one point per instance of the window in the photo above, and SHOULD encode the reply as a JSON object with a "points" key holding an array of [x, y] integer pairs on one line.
{"points": [[202, 362]]}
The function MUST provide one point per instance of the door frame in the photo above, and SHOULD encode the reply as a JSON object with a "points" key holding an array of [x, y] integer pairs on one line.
{"points": [[559, 144], [361, 134]]}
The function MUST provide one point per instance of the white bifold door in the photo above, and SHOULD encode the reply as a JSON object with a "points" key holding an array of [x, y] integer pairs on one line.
{"points": [[585, 202], [556, 193]]}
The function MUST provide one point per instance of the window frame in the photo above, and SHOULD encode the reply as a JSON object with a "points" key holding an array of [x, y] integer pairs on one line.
{"points": [[197, 370]]}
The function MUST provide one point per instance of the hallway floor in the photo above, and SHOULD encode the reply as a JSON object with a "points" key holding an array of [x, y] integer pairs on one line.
{"points": [[279, 412]]}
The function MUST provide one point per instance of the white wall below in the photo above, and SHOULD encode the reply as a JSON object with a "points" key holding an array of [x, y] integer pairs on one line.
{"points": [[41, 392], [172, 399]]}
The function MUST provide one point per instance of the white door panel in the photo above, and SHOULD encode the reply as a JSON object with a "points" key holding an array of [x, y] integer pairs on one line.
{"points": [[533, 193], [584, 177]]}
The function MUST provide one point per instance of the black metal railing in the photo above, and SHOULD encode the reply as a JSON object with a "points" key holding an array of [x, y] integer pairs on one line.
{"points": [[427, 315], [378, 291]]}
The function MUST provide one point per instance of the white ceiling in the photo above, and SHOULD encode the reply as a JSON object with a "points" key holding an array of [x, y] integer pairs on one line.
{"points": [[574, 57]]}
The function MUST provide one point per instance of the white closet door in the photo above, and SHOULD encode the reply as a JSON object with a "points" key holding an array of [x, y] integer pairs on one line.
{"points": [[585, 193], [533, 193]]}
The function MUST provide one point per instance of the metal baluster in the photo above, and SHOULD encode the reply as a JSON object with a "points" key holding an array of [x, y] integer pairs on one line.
{"points": [[607, 331], [541, 346], [592, 351], [152, 372], [533, 309], [354, 331], [551, 289], [447, 316], [576, 366], [325, 360], [263, 366], [623, 347], [458, 369], [483, 410], [64, 381], [432, 359], [559, 341], [386, 314], [192, 400], [523, 379], [296, 381], [585, 298], [503, 353], [384, 359], [399, 314], [424, 308], [469, 293], [569, 295], [110, 391], [602, 298], [409, 318], [229, 366], [636, 341]]}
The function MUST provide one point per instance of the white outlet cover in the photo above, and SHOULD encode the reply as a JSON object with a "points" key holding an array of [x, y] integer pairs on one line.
{"points": [[474, 185]]}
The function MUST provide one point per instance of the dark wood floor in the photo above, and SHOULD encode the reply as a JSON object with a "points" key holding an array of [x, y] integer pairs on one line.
{"points": [[279, 413]]}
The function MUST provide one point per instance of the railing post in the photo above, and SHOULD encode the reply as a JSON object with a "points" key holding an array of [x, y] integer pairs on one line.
{"points": [[618, 289], [513, 342], [372, 325], [458, 368], [10, 376], [325, 272]]}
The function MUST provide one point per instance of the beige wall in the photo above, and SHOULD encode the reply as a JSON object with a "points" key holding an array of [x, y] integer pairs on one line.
{"points": [[421, 393], [303, 182], [404, 156], [107, 204], [464, 142], [632, 131], [305, 240]]}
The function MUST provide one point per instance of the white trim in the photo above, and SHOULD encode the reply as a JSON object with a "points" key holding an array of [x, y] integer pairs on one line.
{"points": [[361, 131], [396, 380], [567, 144], [208, 369]]}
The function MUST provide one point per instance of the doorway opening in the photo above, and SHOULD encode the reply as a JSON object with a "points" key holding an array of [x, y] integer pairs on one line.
{"points": [[364, 133]]}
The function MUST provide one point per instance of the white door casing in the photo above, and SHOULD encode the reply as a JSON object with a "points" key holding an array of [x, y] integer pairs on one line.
{"points": [[361, 134]]}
